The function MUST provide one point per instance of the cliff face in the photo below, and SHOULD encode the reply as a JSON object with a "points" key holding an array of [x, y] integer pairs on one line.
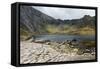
{"points": [[32, 20]]}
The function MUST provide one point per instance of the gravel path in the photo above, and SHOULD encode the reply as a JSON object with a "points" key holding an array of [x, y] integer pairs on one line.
{"points": [[39, 53]]}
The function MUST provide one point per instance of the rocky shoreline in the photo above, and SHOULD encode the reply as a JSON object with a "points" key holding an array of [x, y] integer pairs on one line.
{"points": [[31, 52]]}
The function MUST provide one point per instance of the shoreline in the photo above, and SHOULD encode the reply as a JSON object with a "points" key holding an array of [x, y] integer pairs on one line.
{"points": [[32, 52]]}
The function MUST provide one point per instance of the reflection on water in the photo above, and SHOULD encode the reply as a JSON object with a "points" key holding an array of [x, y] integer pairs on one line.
{"points": [[63, 37]]}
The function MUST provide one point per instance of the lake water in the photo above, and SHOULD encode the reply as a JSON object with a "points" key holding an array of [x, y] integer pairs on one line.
{"points": [[64, 37]]}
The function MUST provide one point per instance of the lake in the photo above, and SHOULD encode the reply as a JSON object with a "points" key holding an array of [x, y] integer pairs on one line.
{"points": [[64, 37]]}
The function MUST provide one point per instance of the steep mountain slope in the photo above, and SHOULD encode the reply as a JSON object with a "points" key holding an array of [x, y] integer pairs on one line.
{"points": [[33, 20]]}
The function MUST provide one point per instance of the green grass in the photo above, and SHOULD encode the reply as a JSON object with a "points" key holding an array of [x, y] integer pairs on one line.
{"points": [[53, 29]]}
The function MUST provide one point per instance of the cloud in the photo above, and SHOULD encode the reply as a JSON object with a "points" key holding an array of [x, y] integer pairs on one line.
{"points": [[65, 13]]}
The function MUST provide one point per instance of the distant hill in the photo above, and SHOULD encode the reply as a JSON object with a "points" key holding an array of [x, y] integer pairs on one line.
{"points": [[36, 22], [85, 21]]}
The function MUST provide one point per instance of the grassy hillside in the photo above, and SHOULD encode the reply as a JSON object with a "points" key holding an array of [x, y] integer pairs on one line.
{"points": [[66, 29]]}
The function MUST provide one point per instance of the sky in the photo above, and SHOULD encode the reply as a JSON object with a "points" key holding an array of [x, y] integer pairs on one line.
{"points": [[65, 13]]}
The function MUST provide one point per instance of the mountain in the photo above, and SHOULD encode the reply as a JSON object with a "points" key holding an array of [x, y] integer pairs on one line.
{"points": [[87, 20], [33, 21]]}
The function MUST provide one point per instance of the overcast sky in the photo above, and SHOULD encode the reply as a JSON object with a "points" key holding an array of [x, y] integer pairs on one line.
{"points": [[65, 13]]}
